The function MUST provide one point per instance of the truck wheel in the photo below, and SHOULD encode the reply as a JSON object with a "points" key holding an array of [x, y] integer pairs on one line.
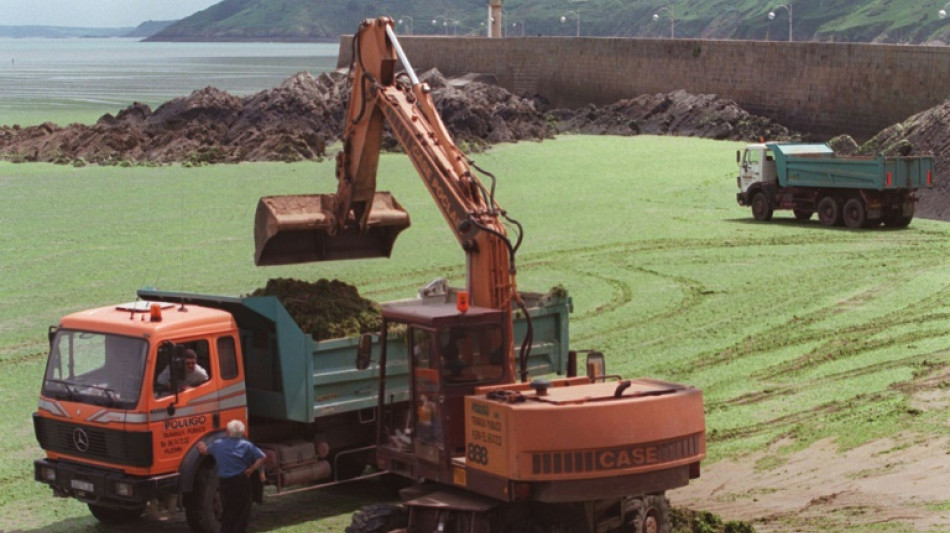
{"points": [[803, 214], [854, 214], [379, 518], [829, 213], [112, 515], [203, 504], [761, 209], [896, 220], [647, 514]]}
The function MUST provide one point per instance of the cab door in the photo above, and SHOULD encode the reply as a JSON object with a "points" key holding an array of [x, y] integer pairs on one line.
{"points": [[178, 418], [750, 168], [427, 396], [231, 390]]}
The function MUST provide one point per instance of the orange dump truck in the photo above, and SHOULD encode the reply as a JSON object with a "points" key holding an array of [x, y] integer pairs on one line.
{"points": [[120, 435]]}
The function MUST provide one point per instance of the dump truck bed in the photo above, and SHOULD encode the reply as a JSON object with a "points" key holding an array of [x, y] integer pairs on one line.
{"points": [[291, 376], [816, 165]]}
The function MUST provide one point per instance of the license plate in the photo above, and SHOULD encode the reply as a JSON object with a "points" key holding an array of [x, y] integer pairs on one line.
{"points": [[79, 484]]}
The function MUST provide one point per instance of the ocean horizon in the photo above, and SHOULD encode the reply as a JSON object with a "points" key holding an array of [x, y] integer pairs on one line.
{"points": [[78, 80]]}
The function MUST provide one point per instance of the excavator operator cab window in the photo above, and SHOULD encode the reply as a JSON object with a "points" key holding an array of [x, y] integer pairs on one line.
{"points": [[471, 353]]}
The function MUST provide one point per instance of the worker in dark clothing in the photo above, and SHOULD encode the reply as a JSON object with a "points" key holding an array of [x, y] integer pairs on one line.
{"points": [[237, 460]]}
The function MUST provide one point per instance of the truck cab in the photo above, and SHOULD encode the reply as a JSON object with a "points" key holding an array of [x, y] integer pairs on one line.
{"points": [[116, 417], [756, 164]]}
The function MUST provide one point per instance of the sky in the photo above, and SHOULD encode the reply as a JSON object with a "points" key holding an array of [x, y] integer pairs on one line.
{"points": [[95, 13]]}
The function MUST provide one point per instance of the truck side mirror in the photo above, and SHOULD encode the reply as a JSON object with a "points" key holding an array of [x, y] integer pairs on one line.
{"points": [[52, 334], [177, 367], [738, 156], [364, 351]]}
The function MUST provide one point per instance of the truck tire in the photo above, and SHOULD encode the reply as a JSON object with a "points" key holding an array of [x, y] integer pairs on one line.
{"points": [[803, 214], [379, 518], [854, 214], [203, 504], [829, 212], [761, 208], [647, 514], [896, 219], [113, 515]]}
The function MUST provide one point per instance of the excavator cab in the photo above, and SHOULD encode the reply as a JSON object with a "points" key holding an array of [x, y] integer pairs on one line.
{"points": [[453, 353], [303, 228]]}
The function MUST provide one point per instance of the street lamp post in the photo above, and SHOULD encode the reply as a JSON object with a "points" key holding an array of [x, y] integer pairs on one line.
{"points": [[669, 11], [516, 24], [789, 9], [445, 24], [404, 19], [576, 16]]}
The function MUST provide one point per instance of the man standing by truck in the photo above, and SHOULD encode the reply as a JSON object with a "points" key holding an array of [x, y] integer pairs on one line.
{"points": [[237, 460]]}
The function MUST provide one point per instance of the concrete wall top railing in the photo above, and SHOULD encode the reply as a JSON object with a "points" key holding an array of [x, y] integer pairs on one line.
{"points": [[821, 88]]}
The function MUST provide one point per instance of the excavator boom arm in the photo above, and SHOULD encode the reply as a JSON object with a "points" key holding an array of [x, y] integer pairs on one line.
{"points": [[359, 221], [407, 107]]}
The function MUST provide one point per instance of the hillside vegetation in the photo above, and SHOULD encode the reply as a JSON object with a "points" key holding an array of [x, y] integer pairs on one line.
{"points": [[895, 21], [805, 339]]}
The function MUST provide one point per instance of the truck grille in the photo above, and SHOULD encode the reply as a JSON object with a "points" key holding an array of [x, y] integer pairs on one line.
{"points": [[128, 448]]}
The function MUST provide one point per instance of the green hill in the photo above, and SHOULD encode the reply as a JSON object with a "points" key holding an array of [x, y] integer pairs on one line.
{"points": [[895, 21]]}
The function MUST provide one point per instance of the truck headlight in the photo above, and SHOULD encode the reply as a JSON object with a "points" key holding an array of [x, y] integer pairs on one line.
{"points": [[123, 489], [48, 474]]}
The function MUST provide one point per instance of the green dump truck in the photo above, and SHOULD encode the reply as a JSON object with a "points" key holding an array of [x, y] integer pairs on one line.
{"points": [[122, 440], [854, 191]]}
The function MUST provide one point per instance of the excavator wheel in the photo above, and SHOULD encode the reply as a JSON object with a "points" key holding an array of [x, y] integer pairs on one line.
{"points": [[647, 514], [379, 518]]}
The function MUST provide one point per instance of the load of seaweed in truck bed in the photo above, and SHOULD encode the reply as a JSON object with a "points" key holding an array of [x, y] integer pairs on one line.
{"points": [[325, 309]]}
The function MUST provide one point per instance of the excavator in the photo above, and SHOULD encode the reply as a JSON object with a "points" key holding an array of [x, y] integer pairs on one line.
{"points": [[486, 447]]}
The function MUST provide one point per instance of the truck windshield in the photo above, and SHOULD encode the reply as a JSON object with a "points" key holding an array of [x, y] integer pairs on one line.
{"points": [[95, 368]]}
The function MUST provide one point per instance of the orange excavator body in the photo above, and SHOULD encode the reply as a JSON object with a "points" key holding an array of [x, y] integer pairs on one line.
{"points": [[477, 435]]}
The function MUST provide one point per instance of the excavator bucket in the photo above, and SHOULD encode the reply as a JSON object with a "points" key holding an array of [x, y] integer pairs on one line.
{"points": [[301, 228]]}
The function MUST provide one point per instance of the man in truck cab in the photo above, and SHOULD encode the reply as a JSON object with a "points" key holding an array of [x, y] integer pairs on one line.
{"points": [[194, 374]]}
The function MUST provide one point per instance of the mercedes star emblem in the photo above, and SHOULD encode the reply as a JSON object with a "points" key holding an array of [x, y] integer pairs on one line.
{"points": [[81, 439]]}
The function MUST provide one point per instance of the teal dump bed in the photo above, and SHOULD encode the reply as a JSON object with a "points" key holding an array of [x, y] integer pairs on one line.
{"points": [[290, 376], [816, 165]]}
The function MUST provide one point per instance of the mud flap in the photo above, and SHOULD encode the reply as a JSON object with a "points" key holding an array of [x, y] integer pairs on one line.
{"points": [[303, 228]]}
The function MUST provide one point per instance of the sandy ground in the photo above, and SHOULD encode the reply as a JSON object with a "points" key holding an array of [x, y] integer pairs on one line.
{"points": [[888, 485]]}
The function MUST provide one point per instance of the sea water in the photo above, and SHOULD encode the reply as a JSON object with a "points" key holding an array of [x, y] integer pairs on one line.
{"points": [[63, 80]]}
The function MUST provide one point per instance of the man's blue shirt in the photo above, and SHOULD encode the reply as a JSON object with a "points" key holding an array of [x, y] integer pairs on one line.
{"points": [[234, 456]]}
